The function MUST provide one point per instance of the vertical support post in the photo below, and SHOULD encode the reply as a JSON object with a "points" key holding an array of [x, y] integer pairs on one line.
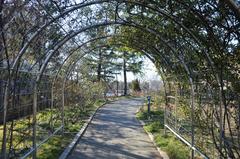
{"points": [[5, 105], [166, 102], [52, 104], [192, 106], [192, 117], [221, 122], [3, 100], [175, 108], [117, 84], [63, 103], [165, 112], [34, 122], [1, 91]]}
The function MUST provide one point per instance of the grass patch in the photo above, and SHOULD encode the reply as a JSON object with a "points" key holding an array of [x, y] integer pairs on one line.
{"points": [[168, 143], [22, 134], [56, 145], [176, 150], [154, 127]]}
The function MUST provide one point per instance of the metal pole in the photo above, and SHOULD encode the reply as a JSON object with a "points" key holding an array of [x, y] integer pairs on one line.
{"points": [[52, 104], [192, 118], [63, 102], [191, 104], [165, 107], [149, 104], [4, 138], [166, 101], [34, 142], [175, 108]]}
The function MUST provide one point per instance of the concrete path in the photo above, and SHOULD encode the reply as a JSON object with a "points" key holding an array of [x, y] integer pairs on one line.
{"points": [[115, 133]]}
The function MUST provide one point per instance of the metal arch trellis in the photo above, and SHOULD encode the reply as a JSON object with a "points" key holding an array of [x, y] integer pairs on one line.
{"points": [[75, 50], [161, 12], [40, 74], [69, 70], [192, 107], [185, 28], [85, 43], [192, 145], [68, 37], [71, 66], [220, 93], [52, 20], [64, 79], [32, 150], [88, 42]]}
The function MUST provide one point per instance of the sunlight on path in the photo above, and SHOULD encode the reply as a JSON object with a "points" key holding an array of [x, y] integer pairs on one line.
{"points": [[115, 133]]}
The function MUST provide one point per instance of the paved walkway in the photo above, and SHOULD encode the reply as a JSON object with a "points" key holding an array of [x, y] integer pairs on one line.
{"points": [[115, 133]]}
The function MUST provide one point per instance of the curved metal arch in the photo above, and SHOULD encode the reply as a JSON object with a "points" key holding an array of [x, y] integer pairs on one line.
{"points": [[71, 35], [216, 75], [98, 38], [35, 106], [79, 6], [24, 48], [76, 49], [67, 38], [48, 58], [59, 69], [91, 40], [72, 65], [182, 61], [85, 43], [42, 69], [162, 12], [51, 54], [192, 96], [101, 46]]}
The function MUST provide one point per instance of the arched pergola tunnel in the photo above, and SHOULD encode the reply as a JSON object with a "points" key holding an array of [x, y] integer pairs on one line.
{"points": [[195, 53]]}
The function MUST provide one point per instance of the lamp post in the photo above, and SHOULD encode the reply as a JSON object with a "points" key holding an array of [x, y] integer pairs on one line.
{"points": [[117, 84], [149, 103]]}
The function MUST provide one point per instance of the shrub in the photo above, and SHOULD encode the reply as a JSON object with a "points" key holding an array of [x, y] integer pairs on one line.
{"points": [[176, 150], [162, 140], [154, 127]]}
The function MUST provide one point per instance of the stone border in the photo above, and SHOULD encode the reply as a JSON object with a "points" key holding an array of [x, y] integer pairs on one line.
{"points": [[150, 135], [70, 147]]}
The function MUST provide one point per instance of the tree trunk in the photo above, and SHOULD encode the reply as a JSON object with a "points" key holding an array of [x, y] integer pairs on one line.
{"points": [[117, 88], [1, 57], [99, 69], [125, 74]]}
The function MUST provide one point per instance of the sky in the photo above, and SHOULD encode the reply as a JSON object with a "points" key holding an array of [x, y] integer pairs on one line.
{"points": [[149, 73]]}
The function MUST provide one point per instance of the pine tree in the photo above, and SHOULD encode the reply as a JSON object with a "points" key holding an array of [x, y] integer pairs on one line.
{"points": [[132, 62], [135, 85]]}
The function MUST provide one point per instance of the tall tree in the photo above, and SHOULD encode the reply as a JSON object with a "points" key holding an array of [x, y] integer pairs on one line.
{"points": [[125, 72], [132, 62]]}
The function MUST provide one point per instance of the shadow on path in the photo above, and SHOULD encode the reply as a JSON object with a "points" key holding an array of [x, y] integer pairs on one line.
{"points": [[115, 133]]}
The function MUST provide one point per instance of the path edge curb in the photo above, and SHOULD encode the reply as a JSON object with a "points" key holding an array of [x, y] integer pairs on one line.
{"points": [[71, 146], [150, 135]]}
